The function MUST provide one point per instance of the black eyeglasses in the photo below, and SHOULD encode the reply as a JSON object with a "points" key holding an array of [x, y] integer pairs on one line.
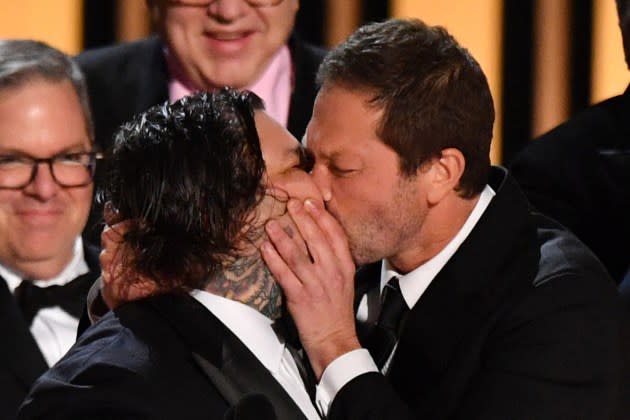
{"points": [[67, 169], [206, 3]]}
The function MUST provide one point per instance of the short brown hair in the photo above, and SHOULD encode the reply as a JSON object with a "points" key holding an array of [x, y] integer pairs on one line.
{"points": [[433, 93]]}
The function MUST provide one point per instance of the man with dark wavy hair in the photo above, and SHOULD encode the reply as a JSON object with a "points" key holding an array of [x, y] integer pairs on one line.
{"points": [[196, 181], [202, 45]]}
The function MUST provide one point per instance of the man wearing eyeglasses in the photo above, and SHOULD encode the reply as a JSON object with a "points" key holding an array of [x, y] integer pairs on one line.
{"points": [[47, 162], [204, 45]]}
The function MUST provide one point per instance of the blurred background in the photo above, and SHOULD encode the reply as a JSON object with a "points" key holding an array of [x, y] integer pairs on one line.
{"points": [[545, 59]]}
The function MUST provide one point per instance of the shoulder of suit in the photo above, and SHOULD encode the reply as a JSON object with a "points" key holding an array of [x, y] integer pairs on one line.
{"points": [[305, 53], [562, 254], [113, 54], [130, 337], [593, 124]]}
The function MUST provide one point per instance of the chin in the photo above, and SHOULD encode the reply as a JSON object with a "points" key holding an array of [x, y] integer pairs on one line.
{"points": [[232, 75]]}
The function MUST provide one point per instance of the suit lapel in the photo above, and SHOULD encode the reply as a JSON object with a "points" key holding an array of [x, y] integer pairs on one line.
{"points": [[217, 351], [444, 328], [306, 60], [152, 83], [20, 354]]}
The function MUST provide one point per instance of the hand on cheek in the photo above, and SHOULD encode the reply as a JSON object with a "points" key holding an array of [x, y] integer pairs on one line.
{"points": [[318, 286]]}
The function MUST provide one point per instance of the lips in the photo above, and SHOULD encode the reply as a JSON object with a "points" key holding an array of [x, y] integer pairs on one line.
{"points": [[228, 36], [228, 43], [39, 216]]}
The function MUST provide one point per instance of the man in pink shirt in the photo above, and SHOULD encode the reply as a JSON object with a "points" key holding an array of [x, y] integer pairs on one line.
{"points": [[204, 45]]}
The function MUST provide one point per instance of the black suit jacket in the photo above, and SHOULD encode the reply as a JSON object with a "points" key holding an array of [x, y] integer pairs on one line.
{"points": [[21, 361], [579, 174], [521, 323], [163, 357]]}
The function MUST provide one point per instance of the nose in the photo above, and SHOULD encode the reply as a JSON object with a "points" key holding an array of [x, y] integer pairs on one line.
{"points": [[43, 186], [321, 178], [226, 11]]}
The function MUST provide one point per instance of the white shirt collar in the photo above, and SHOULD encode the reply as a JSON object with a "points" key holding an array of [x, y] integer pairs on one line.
{"points": [[75, 268], [414, 283], [250, 326]]}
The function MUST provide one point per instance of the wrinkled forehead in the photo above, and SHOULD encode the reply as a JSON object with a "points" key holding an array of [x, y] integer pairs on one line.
{"points": [[343, 121]]}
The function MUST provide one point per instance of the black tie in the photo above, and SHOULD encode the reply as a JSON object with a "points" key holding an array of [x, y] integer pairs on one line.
{"points": [[382, 338], [70, 297]]}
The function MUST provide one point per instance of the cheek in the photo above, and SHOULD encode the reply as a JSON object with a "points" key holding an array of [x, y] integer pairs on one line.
{"points": [[279, 26], [179, 31], [7, 200], [346, 189], [81, 201]]}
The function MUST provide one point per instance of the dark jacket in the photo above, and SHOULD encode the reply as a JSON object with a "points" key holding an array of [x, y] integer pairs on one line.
{"points": [[521, 323], [21, 361], [164, 357], [579, 174]]}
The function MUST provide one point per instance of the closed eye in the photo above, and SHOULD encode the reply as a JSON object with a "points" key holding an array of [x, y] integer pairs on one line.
{"points": [[76, 158], [337, 171], [10, 161]]}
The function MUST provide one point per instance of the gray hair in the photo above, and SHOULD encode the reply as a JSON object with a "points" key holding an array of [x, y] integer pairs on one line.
{"points": [[24, 60]]}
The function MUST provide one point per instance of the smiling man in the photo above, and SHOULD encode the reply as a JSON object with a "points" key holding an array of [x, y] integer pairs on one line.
{"points": [[205, 45], [47, 161], [202, 45]]}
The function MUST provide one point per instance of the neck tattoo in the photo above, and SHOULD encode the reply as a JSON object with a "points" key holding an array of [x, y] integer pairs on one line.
{"points": [[249, 281]]}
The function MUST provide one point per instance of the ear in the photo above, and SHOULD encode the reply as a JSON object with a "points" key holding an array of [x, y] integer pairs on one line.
{"points": [[443, 174]]}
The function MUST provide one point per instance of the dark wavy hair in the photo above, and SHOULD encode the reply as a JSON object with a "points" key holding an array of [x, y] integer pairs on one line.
{"points": [[187, 176], [433, 93]]}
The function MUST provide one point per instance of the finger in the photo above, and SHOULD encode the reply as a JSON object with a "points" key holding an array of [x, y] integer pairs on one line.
{"points": [[286, 248], [292, 231], [111, 214], [283, 275], [110, 238], [316, 240], [280, 198], [334, 233]]}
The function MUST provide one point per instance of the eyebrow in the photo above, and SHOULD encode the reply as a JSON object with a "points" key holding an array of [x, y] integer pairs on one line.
{"points": [[75, 148]]}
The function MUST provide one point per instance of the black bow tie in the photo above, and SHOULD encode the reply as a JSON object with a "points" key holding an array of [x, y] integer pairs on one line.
{"points": [[70, 297]]}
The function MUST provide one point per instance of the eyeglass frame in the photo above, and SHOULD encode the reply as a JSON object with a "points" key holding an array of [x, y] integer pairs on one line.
{"points": [[252, 3], [35, 162]]}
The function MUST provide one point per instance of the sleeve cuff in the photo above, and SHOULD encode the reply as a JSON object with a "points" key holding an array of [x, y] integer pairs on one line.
{"points": [[341, 371]]}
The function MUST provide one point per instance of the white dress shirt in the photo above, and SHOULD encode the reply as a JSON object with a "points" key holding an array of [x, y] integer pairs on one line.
{"points": [[54, 330], [256, 332], [412, 285]]}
